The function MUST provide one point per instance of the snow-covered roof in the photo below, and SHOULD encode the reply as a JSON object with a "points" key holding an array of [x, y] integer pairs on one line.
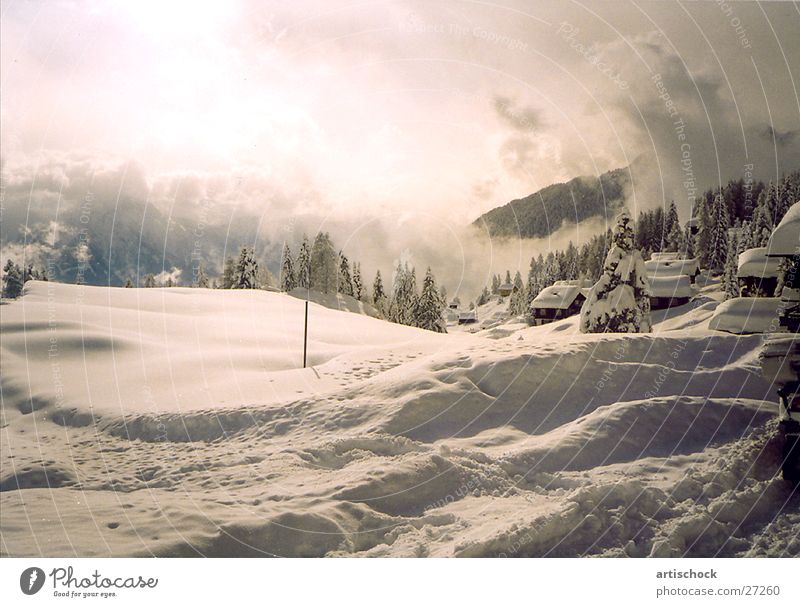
{"points": [[754, 263], [665, 256], [671, 286], [785, 239], [467, 315], [557, 297], [746, 315], [573, 283], [671, 267], [506, 286]]}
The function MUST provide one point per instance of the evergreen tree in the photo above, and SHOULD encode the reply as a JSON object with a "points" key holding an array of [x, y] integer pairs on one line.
{"points": [[704, 230], [619, 301], [245, 275], [303, 265], [518, 300], [324, 267], [429, 309], [202, 278], [688, 244], [288, 279], [264, 278], [149, 281], [228, 272], [508, 277], [378, 294], [484, 297], [358, 285], [718, 243], [730, 280], [12, 280], [169, 282], [495, 284], [128, 283], [345, 283], [534, 280]]}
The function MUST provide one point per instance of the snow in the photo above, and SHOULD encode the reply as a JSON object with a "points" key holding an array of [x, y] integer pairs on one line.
{"points": [[747, 315], [557, 297], [670, 286], [177, 422], [671, 267], [664, 256], [785, 239], [754, 263]]}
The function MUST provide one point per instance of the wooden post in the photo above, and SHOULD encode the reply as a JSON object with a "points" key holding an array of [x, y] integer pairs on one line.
{"points": [[305, 338]]}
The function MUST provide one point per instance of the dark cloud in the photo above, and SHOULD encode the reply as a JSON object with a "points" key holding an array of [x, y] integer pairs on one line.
{"points": [[780, 138]]}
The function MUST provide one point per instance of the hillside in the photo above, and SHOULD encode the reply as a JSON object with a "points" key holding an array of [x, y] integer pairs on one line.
{"points": [[176, 422], [543, 212]]}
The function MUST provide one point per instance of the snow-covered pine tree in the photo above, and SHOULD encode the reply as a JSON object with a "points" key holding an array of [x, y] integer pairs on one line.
{"points": [[429, 308], [730, 280], [288, 278], [12, 280], [302, 269], [688, 244], [344, 284], [443, 295], [201, 281], [245, 275], [413, 303], [619, 301], [718, 243], [704, 229], [264, 278], [228, 272], [534, 284], [358, 284], [671, 219], [495, 284], [379, 295], [763, 217], [128, 283], [674, 240], [518, 300], [149, 281], [324, 267], [483, 298]]}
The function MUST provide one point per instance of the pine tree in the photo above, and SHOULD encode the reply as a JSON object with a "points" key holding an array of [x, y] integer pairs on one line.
{"points": [[345, 282], [245, 275], [149, 281], [429, 309], [378, 294], [718, 243], [303, 265], [202, 278], [264, 278], [672, 221], [495, 284], [324, 267], [619, 301], [518, 300], [730, 280], [288, 279], [12, 280], [484, 297], [228, 272], [704, 230], [358, 285], [128, 283]]}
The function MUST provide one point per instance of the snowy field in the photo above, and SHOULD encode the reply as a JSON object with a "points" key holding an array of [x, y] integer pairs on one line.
{"points": [[179, 422]]}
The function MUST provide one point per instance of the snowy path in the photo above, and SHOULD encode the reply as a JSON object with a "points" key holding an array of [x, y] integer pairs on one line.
{"points": [[399, 442]]}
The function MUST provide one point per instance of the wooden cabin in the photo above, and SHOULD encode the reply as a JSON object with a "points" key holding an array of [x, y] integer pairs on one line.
{"points": [[757, 273], [506, 289], [561, 300], [660, 268], [670, 291]]}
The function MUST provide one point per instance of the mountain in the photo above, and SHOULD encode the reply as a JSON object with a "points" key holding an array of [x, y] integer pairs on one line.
{"points": [[543, 212]]}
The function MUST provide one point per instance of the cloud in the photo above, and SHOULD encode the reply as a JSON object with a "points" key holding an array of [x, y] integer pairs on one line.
{"points": [[520, 118]]}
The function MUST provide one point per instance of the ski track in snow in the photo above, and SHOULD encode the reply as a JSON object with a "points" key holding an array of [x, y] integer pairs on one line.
{"points": [[175, 422]]}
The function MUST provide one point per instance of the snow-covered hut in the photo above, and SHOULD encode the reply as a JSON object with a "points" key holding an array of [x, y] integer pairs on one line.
{"points": [[669, 291], [506, 289], [561, 300], [664, 256], [659, 268], [757, 273], [453, 305], [467, 317], [785, 238]]}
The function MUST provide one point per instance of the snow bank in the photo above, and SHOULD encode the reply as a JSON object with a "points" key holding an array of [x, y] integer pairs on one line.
{"points": [[677, 286], [742, 315]]}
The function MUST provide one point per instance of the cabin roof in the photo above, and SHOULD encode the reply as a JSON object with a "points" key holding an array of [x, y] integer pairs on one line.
{"points": [[754, 263], [785, 239], [675, 286], [671, 267], [557, 297]]}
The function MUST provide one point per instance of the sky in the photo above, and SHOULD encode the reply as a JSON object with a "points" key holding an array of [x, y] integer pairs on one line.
{"points": [[404, 120]]}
